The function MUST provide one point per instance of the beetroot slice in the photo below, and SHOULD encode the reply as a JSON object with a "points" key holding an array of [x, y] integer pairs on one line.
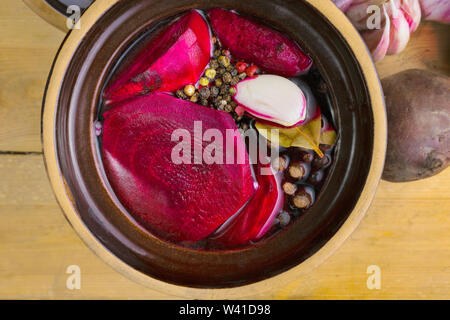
{"points": [[257, 217], [259, 44], [185, 202], [177, 56]]}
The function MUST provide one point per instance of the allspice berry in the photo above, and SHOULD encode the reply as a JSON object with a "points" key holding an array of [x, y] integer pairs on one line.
{"points": [[284, 219], [279, 164], [302, 200], [297, 170], [289, 188]]}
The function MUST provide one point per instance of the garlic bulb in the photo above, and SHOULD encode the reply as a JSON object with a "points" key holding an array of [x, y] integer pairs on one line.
{"points": [[438, 10], [386, 25]]}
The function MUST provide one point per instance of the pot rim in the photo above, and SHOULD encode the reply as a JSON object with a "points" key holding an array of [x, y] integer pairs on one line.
{"points": [[292, 276]]}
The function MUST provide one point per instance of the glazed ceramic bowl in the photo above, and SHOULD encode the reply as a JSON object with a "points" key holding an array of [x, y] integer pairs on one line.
{"points": [[75, 170]]}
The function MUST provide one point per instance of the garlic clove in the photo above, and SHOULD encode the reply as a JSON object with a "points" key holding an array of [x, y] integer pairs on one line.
{"points": [[399, 34], [378, 40], [412, 12], [272, 98], [437, 10], [357, 14]]}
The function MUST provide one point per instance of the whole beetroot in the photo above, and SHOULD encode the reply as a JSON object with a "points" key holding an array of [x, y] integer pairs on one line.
{"points": [[418, 109]]}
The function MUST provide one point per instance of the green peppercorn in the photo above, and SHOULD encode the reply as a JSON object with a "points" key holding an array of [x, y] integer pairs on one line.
{"points": [[242, 76], [224, 61], [211, 73], [204, 81], [219, 82], [194, 98]]}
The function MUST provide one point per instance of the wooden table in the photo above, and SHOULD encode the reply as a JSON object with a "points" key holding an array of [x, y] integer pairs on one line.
{"points": [[406, 232]]}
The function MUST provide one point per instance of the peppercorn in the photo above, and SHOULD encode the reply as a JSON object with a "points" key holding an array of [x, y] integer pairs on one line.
{"points": [[284, 219], [204, 81], [234, 72], [235, 80], [227, 77], [250, 71], [214, 64], [242, 76], [227, 98], [289, 188], [302, 200], [205, 93], [221, 70], [204, 102], [224, 61], [241, 66], [228, 108], [214, 91], [217, 53], [180, 94], [211, 73], [224, 89], [232, 91], [189, 90], [297, 170]]}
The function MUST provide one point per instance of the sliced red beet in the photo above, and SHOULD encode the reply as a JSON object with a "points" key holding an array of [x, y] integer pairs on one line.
{"points": [[177, 56], [177, 202], [257, 217], [259, 44]]}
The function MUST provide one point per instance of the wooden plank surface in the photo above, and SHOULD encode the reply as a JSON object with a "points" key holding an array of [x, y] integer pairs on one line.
{"points": [[406, 232]]}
